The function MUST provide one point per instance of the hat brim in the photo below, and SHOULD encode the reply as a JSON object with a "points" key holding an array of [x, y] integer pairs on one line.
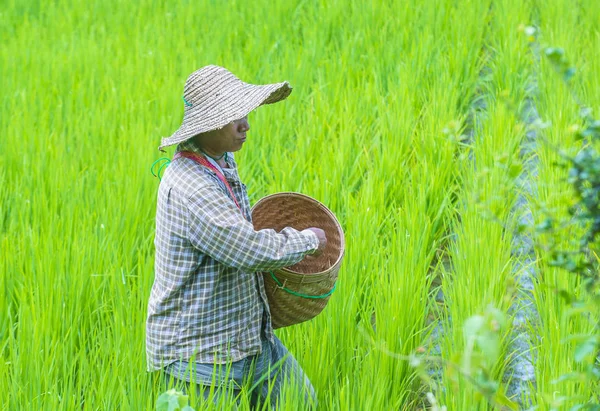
{"points": [[244, 100]]}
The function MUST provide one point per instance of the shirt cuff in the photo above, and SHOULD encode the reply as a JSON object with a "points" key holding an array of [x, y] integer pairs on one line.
{"points": [[312, 240]]}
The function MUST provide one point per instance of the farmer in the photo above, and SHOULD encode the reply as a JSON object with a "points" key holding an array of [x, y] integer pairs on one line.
{"points": [[208, 316]]}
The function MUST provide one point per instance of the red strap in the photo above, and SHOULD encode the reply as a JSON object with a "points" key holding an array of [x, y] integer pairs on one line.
{"points": [[204, 162]]}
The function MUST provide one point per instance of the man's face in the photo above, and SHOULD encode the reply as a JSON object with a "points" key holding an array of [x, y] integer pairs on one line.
{"points": [[229, 138]]}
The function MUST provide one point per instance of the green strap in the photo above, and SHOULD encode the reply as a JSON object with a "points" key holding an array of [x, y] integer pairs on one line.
{"points": [[315, 297], [158, 174]]}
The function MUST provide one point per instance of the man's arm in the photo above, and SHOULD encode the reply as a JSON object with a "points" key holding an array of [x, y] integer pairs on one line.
{"points": [[218, 229]]}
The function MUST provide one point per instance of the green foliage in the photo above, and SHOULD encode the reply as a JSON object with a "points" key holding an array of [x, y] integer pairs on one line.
{"points": [[470, 367], [582, 261], [557, 57], [173, 400], [483, 334], [88, 89]]}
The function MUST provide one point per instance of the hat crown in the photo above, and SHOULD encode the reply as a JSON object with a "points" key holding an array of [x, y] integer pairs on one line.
{"points": [[207, 84]]}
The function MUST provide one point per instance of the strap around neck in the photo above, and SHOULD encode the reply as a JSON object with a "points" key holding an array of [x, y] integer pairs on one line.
{"points": [[208, 164]]}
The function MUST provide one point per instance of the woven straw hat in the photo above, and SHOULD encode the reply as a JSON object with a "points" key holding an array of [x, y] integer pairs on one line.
{"points": [[214, 97]]}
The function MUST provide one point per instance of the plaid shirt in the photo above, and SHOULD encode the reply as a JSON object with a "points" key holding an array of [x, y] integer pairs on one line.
{"points": [[207, 299]]}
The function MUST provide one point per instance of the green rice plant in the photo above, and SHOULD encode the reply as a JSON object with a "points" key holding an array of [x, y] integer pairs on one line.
{"points": [[555, 197], [557, 345], [88, 90], [480, 253]]}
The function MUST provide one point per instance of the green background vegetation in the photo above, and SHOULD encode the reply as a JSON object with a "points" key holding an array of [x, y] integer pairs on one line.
{"points": [[88, 88]]}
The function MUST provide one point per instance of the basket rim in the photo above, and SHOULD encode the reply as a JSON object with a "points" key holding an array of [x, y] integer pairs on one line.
{"points": [[326, 209]]}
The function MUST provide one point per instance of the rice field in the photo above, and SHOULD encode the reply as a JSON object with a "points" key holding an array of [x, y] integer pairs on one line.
{"points": [[410, 120]]}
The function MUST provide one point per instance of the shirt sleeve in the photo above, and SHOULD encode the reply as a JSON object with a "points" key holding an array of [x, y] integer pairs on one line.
{"points": [[218, 229]]}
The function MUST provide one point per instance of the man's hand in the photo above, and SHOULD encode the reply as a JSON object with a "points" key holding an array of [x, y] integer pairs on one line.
{"points": [[322, 240]]}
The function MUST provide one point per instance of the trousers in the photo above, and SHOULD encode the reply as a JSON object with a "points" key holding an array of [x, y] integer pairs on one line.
{"points": [[263, 374]]}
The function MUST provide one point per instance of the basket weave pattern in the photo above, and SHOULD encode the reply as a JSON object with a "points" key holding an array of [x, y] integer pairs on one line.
{"points": [[313, 276]]}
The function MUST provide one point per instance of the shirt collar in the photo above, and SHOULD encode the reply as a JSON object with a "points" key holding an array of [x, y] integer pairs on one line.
{"points": [[190, 145]]}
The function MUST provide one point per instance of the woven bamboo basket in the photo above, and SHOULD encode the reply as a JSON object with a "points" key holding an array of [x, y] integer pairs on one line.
{"points": [[300, 292]]}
